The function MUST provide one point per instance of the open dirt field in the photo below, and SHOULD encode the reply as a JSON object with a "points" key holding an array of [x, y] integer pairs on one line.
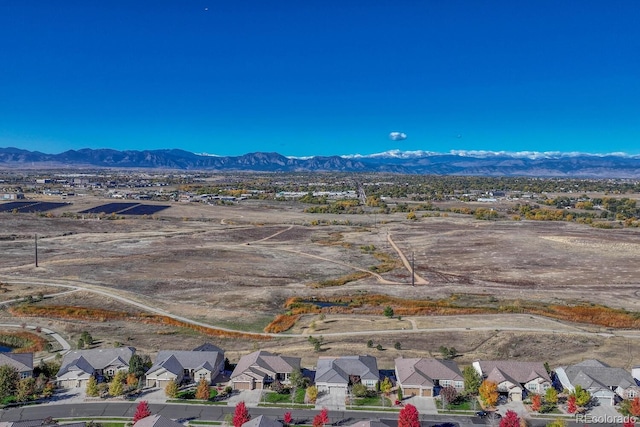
{"points": [[234, 266]]}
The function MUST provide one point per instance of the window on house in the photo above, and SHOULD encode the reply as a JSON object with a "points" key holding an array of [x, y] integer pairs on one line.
{"points": [[445, 383], [458, 384], [532, 387]]}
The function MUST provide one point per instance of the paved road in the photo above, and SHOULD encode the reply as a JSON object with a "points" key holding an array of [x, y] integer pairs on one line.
{"points": [[201, 412], [217, 413]]}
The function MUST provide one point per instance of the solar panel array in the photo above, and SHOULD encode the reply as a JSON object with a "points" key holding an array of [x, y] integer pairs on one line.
{"points": [[110, 208], [126, 208], [31, 206], [7, 207], [122, 208], [144, 210]]}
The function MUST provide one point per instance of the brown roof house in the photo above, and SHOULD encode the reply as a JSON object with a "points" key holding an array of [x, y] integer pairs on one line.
{"points": [[183, 366], [340, 373], [515, 379], [78, 365], [260, 368], [424, 377], [22, 362]]}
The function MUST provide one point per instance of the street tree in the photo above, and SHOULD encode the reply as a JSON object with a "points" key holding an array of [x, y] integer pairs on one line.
{"points": [[287, 419], [388, 311], [510, 419], [142, 411], [409, 417], [240, 415]]}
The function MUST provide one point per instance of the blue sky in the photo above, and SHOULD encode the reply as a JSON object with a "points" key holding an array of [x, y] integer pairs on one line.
{"points": [[320, 77]]}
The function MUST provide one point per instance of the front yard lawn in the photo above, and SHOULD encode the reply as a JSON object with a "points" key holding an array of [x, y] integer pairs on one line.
{"points": [[372, 401], [273, 397]]}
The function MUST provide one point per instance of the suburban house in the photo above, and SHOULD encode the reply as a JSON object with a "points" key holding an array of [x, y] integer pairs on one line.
{"points": [[260, 368], [262, 421], [209, 347], [635, 373], [340, 373], [605, 383], [22, 362], [425, 377], [182, 366], [78, 365], [515, 379], [157, 421]]}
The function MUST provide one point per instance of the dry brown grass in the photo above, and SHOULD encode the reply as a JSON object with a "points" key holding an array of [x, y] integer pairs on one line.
{"points": [[101, 315]]}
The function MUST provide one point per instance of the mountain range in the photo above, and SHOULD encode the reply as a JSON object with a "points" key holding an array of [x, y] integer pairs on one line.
{"points": [[574, 165]]}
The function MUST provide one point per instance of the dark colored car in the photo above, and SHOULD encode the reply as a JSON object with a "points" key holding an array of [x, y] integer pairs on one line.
{"points": [[482, 414]]}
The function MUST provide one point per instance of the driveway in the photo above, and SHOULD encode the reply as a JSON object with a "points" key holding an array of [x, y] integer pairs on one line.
{"points": [[334, 400], [424, 405], [251, 398], [517, 407]]}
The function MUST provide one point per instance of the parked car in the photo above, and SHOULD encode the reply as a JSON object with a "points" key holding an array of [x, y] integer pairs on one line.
{"points": [[482, 414]]}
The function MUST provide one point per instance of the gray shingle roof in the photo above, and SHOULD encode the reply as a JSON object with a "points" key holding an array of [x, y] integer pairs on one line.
{"points": [[337, 369], [157, 421], [177, 360], [209, 347], [260, 363], [423, 371], [23, 362], [593, 374], [262, 421], [98, 358]]}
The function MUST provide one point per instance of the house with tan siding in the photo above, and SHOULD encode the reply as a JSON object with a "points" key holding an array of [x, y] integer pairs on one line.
{"points": [[426, 376]]}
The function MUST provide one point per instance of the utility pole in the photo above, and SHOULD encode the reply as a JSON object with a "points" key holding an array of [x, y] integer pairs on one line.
{"points": [[36, 241], [413, 274]]}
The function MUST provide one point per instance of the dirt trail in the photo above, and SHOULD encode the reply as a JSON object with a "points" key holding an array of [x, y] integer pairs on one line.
{"points": [[418, 280]]}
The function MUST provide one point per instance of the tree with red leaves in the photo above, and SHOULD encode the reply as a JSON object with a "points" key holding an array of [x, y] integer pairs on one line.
{"points": [[510, 419], [287, 419], [142, 411], [322, 418], [571, 405], [241, 415], [634, 408], [536, 402], [408, 416]]}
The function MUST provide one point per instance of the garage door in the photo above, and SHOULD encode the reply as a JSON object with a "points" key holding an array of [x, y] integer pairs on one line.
{"points": [[242, 385]]}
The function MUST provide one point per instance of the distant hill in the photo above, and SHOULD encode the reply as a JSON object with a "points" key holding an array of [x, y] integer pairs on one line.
{"points": [[474, 164]]}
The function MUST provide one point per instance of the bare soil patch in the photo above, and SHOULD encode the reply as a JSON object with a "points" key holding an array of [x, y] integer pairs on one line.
{"points": [[235, 266]]}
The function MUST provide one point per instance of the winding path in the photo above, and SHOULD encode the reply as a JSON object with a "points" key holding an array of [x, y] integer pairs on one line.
{"points": [[127, 300]]}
